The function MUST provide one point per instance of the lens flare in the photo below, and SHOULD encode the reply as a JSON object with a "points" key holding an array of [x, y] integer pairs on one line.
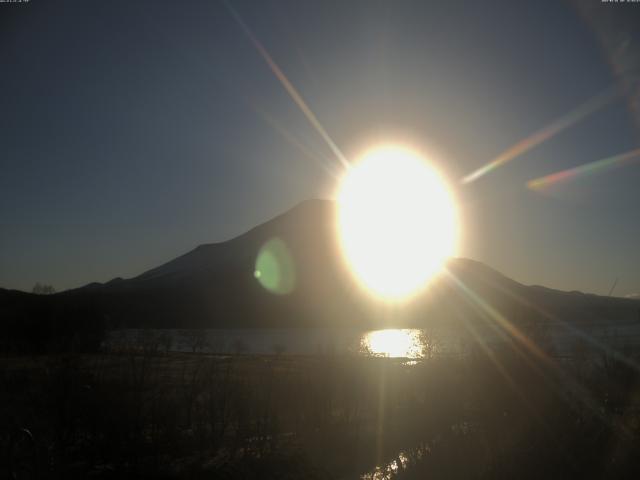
{"points": [[397, 222], [288, 86], [523, 146], [275, 269], [587, 168]]}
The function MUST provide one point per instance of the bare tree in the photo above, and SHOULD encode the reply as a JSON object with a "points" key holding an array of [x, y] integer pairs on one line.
{"points": [[42, 289], [197, 340]]}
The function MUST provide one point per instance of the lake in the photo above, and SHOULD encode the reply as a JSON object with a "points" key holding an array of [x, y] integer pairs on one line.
{"points": [[409, 343], [393, 343]]}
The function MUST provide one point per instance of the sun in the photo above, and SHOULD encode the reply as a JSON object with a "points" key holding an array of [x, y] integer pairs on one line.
{"points": [[397, 222]]}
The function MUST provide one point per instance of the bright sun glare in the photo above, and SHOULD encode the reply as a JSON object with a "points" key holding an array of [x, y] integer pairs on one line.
{"points": [[393, 343], [397, 221]]}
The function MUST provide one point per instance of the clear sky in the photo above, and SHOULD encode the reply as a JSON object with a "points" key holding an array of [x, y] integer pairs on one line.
{"points": [[132, 131]]}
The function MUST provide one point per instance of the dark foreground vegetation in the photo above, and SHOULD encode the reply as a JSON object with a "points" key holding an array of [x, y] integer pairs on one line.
{"points": [[142, 413]]}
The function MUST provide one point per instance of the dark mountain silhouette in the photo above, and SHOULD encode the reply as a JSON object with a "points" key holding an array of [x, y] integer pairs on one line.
{"points": [[214, 286]]}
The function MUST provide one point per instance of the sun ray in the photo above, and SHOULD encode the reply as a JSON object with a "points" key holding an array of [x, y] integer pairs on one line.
{"points": [[598, 166], [494, 359], [493, 315], [288, 86], [554, 128], [574, 331], [297, 143], [501, 321], [560, 377]]}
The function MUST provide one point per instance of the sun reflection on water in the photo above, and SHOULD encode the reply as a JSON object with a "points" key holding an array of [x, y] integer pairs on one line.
{"points": [[393, 343]]}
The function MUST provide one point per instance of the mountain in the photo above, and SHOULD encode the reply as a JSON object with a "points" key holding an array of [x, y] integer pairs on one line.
{"points": [[215, 285]]}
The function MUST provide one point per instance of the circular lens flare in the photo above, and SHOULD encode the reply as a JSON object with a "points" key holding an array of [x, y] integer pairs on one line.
{"points": [[397, 222], [275, 268]]}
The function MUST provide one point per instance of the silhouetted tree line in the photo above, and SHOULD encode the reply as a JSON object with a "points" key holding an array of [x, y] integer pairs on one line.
{"points": [[497, 412], [48, 326], [40, 289]]}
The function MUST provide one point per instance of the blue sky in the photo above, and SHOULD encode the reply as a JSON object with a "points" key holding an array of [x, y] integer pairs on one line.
{"points": [[131, 132]]}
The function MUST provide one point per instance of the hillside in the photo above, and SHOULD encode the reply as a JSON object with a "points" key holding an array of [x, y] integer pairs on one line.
{"points": [[214, 286]]}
